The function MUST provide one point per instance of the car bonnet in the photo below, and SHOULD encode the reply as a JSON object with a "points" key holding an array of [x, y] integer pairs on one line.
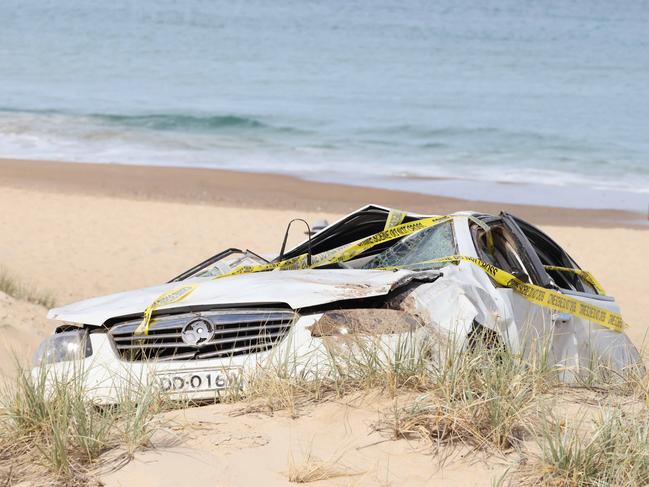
{"points": [[297, 289]]}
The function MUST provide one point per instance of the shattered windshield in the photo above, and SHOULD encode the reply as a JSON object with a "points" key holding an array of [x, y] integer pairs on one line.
{"points": [[431, 243], [229, 263]]}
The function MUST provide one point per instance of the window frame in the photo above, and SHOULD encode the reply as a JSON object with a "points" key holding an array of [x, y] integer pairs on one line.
{"points": [[579, 284]]}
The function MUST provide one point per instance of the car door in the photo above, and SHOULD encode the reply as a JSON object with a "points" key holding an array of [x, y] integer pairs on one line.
{"points": [[525, 326], [576, 343]]}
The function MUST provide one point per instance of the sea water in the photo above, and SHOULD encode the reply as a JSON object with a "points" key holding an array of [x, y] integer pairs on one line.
{"points": [[395, 94]]}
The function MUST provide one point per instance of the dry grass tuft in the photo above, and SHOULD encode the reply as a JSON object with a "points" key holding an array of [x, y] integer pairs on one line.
{"points": [[612, 449], [312, 469], [291, 384], [50, 430], [12, 287], [484, 397]]}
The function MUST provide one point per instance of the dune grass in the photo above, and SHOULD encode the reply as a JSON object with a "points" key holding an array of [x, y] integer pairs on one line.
{"points": [[482, 396], [610, 449], [290, 382], [12, 286], [52, 432], [313, 469]]}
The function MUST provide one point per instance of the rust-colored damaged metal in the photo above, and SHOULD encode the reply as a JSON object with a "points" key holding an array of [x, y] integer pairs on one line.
{"points": [[368, 321]]}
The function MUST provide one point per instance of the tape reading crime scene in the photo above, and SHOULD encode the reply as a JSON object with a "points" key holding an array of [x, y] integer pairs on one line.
{"points": [[331, 256], [587, 276], [395, 217], [541, 296], [344, 252], [357, 248], [535, 294]]}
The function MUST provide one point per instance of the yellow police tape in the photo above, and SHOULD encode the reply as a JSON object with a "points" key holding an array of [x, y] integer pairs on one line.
{"points": [[339, 254], [541, 296], [344, 252], [587, 276], [173, 296], [395, 217], [535, 294]]}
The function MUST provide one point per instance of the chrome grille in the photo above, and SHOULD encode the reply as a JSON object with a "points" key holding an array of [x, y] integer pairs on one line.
{"points": [[235, 332]]}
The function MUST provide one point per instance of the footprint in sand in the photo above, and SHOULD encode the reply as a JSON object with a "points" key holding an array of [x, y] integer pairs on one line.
{"points": [[240, 440]]}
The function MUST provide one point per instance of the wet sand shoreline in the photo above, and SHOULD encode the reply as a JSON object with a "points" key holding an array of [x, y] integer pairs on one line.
{"points": [[260, 190]]}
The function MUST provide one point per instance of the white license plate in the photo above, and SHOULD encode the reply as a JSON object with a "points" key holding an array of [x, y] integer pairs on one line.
{"points": [[198, 380]]}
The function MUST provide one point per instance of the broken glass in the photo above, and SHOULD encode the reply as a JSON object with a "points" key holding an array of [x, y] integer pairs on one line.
{"points": [[228, 263], [416, 249]]}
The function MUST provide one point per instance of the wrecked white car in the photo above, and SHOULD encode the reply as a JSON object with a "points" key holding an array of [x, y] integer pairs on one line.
{"points": [[377, 272]]}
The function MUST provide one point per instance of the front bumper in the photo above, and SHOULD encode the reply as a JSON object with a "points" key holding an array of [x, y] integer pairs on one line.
{"points": [[106, 378]]}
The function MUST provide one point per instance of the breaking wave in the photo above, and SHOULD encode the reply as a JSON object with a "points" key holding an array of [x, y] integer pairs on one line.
{"points": [[167, 121], [158, 121], [289, 144]]}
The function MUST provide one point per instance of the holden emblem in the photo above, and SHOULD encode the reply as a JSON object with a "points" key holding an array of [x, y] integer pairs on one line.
{"points": [[197, 332]]}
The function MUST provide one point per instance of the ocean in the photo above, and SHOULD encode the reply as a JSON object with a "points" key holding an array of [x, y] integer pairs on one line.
{"points": [[407, 94]]}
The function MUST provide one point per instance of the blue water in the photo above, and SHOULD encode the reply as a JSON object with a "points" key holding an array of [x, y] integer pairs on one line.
{"points": [[512, 91]]}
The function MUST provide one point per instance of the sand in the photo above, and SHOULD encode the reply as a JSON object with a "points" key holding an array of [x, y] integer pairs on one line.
{"points": [[260, 450], [22, 326], [77, 241], [253, 190]]}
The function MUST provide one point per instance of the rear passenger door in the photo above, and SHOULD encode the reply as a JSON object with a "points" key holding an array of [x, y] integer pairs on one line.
{"points": [[576, 341], [548, 255]]}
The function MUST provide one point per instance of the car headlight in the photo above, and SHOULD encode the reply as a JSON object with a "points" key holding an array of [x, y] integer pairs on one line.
{"points": [[62, 347]]}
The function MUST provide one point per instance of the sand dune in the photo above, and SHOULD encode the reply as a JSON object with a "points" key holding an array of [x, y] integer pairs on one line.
{"points": [[22, 326], [77, 245], [258, 449]]}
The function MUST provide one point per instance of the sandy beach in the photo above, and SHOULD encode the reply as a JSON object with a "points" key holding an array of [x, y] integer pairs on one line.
{"points": [[139, 140], [75, 231]]}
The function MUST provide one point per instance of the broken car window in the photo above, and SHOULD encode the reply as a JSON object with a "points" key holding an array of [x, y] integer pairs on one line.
{"points": [[504, 253], [551, 254], [229, 263], [427, 244]]}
